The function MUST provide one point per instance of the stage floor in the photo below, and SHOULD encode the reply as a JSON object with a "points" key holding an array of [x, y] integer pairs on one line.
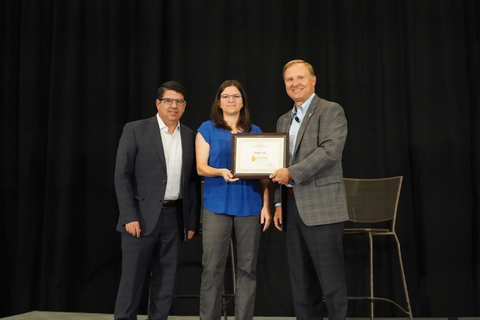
{"points": [[44, 315]]}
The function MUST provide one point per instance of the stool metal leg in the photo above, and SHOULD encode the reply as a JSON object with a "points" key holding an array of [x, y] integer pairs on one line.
{"points": [[407, 298], [372, 307]]}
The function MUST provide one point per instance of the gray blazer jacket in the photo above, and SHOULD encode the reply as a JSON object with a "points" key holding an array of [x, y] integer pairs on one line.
{"points": [[141, 176], [316, 164]]}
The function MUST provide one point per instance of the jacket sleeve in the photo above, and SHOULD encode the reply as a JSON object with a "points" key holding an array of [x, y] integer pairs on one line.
{"points": [[124, 175]]}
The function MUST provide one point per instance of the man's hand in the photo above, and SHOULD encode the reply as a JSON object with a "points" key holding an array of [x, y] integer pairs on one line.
{"points": [[281, 176], [133, 228], [277, 218], [190, 234]]}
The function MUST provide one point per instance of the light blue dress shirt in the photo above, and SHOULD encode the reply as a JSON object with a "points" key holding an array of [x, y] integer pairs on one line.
{"points": [[298, 113]]}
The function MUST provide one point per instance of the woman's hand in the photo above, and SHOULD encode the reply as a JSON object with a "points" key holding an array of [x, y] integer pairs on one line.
{"points": [[227, 175], [265, 217]]}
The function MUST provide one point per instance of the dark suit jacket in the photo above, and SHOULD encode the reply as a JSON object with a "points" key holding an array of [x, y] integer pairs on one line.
{"points": [[316, 165], [141, 176]]}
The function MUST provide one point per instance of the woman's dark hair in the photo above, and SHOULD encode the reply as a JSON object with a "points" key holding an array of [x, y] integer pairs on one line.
{"points": [[216, 114]]}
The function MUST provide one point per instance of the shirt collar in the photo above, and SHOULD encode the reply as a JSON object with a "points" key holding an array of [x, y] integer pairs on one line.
{"points": [[162, 125], [302, 110]]}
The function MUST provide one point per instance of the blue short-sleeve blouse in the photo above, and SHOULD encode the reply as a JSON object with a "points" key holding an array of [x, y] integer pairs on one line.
{"points": [[240, 198]]}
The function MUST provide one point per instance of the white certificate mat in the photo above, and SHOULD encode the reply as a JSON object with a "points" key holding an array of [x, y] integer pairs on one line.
{"points": [[256, 156]]}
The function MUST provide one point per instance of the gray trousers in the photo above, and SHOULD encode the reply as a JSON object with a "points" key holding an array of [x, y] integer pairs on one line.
{"points": [[315, 256], [217, 232]]}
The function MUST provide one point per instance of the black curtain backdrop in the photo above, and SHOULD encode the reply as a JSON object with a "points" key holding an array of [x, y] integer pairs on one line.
{"points": [[74, 72]]}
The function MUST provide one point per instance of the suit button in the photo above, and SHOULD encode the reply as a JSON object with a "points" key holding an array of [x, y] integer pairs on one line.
{"points": [[164, 182]]}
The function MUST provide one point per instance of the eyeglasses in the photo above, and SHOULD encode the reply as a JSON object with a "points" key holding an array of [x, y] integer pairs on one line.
{"points": [[228, 96], [169, 101]]}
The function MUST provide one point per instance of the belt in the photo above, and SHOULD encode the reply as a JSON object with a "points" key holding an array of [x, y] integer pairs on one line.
{"points": [[171, 203], [290, 191]]}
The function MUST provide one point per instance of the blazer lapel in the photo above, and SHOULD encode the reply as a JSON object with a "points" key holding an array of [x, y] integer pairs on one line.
{"points": [[285, 123], [153, 129], [186, 143], [310, 112]]}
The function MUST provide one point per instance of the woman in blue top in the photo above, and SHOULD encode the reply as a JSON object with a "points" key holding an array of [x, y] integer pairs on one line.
{"points": [[229, 203]]}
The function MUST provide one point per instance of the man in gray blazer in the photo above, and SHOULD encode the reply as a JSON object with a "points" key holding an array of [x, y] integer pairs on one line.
{"points": [[312, 196], [157, 188]]}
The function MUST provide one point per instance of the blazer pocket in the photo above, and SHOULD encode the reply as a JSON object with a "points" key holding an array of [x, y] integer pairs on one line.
{"points": [[328, 180], [139, 198]]}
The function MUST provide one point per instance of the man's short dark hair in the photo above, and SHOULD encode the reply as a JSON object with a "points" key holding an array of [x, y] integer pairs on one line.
{"points": [[171, 85]]}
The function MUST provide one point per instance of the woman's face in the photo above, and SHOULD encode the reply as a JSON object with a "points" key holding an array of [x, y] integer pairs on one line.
{"points": [[231, 101]]}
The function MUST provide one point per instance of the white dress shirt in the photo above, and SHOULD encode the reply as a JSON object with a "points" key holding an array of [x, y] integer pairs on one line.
{"points": [[172, 147]]}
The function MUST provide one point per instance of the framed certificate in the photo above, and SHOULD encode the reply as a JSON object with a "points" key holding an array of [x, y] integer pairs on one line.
{"points": [[257, 155]]}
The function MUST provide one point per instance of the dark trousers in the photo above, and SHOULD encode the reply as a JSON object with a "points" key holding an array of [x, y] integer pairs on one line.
{"points": [[162, 249], [315, 256]]}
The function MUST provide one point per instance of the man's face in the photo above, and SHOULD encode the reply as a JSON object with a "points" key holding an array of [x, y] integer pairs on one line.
{"points": [[299, 84], [170, 114]]}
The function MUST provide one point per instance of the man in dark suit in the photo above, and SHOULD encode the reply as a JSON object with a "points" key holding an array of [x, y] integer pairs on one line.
{"points": [[157, 187], [312, 196]]}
